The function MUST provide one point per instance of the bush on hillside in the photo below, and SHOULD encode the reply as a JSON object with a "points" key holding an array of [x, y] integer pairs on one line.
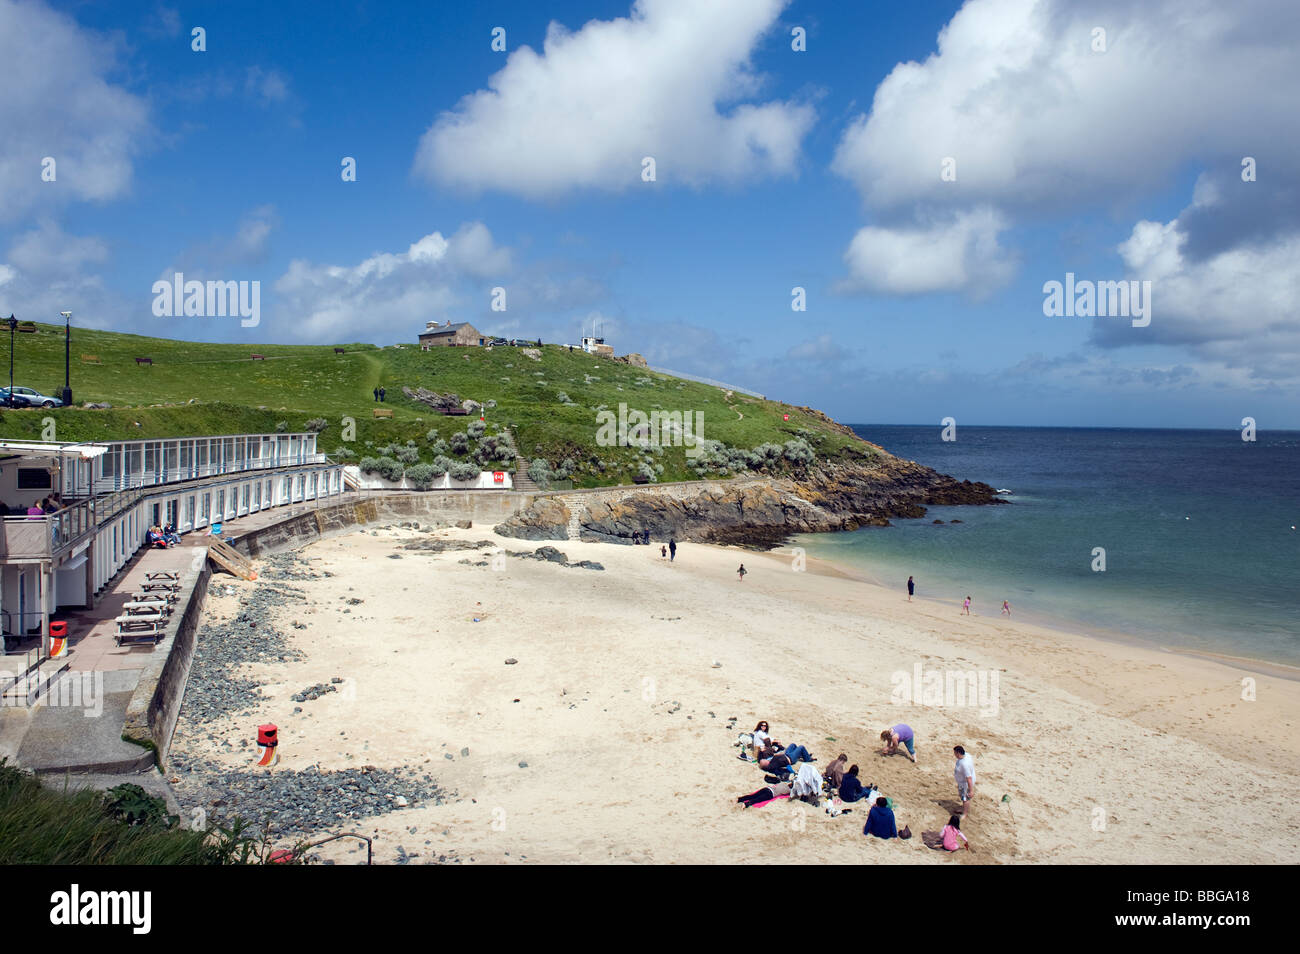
{"points": [[463, 470], [423, 475], [316, 425], [475, 430], [385, 467], [459, 442]]}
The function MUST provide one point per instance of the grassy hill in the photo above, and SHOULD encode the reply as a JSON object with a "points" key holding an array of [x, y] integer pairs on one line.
{"points": [[550, 404]]}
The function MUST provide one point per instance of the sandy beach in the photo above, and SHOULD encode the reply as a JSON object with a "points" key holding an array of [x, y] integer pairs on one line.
{"points": [[631, 684]]}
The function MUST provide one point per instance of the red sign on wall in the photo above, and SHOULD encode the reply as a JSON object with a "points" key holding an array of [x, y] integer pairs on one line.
{"points": [[785, 417], [498, 477]]}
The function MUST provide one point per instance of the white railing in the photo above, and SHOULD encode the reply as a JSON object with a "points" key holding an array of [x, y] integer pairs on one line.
{"points": [[171, 475]]}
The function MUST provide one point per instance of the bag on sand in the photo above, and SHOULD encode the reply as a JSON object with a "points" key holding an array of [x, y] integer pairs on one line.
{"points": [[906, 832], [834, 807]]}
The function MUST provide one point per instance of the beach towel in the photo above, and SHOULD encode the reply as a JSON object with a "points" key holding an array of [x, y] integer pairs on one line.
{"points": [[808, 781], [769, 801]]}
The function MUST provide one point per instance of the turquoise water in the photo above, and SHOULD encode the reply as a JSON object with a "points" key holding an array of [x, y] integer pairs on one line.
{"points": [[1196, 526]]}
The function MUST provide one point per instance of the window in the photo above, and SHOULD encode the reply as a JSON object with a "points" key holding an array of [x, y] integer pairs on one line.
{"points": [[34, 478]]}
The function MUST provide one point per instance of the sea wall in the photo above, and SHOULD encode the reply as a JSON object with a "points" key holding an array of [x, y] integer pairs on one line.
{"points": [[156, 703]]}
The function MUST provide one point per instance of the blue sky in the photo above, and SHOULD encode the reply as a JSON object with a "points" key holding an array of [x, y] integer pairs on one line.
{"points": [[775, 168]]}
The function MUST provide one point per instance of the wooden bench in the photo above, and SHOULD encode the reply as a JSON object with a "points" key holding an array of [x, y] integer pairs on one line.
{"points": [[91, 359], [257, 357], [383, 412], [148, 361], [162, 576], [339, 351]]}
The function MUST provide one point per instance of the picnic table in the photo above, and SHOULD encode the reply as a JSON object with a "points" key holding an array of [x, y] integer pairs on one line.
{"points": [[154, 597], [147, 607], [138, 627], [159, 587], [162, 576]]}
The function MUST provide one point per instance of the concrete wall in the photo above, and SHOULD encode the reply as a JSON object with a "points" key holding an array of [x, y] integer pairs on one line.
{"points": [[156, 704], [486, 506]]}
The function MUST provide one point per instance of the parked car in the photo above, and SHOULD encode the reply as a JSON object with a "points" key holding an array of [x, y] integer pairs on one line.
{"points": [[27, 397]]}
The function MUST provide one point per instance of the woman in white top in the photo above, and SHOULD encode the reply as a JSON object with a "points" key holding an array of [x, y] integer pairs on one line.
{"points": [[761, 739]]}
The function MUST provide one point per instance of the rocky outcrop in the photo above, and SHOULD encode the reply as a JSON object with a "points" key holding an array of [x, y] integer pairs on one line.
{"points": [[547, 519], [758, 512]]}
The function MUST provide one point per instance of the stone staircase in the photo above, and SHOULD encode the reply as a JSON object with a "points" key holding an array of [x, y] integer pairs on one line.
{"points": [[523, 483], [575, 526]]}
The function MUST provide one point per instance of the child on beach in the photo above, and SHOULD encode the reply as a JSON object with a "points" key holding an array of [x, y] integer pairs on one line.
{"points": [[1006, 608], [965, 607], [741, 572], [663, 552], [946, 840], [911, 588]]}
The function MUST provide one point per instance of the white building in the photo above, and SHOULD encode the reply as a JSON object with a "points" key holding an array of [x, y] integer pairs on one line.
{"points": [[109, 494]]}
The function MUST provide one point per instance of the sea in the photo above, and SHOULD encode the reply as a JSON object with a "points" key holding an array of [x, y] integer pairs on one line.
{"points": [[1186, 539]]}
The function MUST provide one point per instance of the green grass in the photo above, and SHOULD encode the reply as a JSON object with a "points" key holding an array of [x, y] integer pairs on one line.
{"points": [[47, 826], [297, 383]]}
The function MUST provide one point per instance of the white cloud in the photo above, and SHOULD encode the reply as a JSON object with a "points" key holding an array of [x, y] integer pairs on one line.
{"points": [[958, 253], [1236, 307], [585, 112], [387, 293], [49, 252], [57, 101], [266, 86], [1031, 114]]}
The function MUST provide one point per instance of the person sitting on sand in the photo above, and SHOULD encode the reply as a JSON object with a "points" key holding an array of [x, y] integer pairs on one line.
{"points": [[741, 572], [807, 784], [835, 771], [951, 833], [774, 790], [851, 789], [761, 739], [880, 820], [900, 734]]}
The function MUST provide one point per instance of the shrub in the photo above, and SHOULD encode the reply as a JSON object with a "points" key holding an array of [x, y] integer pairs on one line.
{"points": [[540, 471], [441, 465], [343, 452], [475, 429], [316, 425], [463, 470], [799, 451], [436, 443], [281, 427], [459, 442], [644, 469], [385, 467], [423, 475]]}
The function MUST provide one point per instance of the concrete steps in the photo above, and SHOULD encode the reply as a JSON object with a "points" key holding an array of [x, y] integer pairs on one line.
{"points": [[575, 526], [35, 683]]}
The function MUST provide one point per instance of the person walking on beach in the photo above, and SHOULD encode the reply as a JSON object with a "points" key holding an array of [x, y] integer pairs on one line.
{"points": [[741, 572], [900, 734], [672, 550], [1006, 608], [964, 773], [965, 607], [911, 588]]}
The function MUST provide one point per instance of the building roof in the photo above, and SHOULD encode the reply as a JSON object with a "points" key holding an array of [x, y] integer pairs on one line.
{"points": [[447, 329]]}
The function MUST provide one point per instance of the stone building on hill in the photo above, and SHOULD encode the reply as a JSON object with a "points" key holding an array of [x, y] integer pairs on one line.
{"points": [[451, 334]]}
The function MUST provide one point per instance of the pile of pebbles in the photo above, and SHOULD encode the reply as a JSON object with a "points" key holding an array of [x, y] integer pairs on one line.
{"points": [[300, 802]]}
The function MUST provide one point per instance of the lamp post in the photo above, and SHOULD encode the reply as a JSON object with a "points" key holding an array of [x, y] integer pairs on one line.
{"points": [[13, 326], [67, 355]]}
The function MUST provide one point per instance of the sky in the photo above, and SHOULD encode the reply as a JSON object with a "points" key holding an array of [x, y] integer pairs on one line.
{"points": [[856, 207]]}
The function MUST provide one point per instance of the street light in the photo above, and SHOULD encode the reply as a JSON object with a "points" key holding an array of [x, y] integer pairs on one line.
{"points": [[13, 326], [67, 353]]}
